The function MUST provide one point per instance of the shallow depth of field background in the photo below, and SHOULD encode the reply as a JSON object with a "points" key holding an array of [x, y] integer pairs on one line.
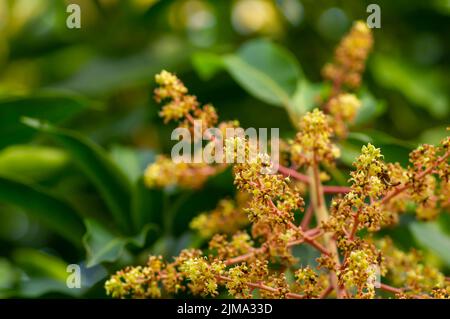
{"points": [[104, 72]]}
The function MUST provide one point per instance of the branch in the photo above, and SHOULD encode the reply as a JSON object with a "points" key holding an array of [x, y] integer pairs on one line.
{"points": [[318, 202], [307, 217], [262, 286], [326, 292], [391, 289], [308, 237], [327, 189]]}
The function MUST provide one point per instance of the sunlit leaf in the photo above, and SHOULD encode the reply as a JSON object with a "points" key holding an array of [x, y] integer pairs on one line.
{"points": [[40, 264], [207, 64], [266, 70], [32, 162]]}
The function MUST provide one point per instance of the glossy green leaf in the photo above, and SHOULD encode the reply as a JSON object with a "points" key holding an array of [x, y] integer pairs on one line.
{"points": [[370, 109], [207, 64], [51, 107], [102, 245], [127, 159], [434, 135], [38, 287], [104, 74], [40, 264], [8, 275], [422, 87], [147, 205], [53, 212], [305, 97], [110, 181], [266, 70], [393, 149], [32, 162], [429, 235]]}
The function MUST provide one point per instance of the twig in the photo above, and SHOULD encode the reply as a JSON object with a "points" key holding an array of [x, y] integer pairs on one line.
{"points": [[399, 189], [307, 217], [327, 189], [326, 292], [262, 286]]}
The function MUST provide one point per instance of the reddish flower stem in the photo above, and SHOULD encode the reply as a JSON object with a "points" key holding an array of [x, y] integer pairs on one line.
{"points": [[262, 286], [327, 189], [326, 292], [307, 217], [310, 235], [318, 201], [332, 189], [355, 225], [293, 173], [246, 256], [390, 289]]}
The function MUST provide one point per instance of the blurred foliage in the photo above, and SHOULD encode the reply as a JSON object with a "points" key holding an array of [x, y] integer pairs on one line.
{"points": [[78, 125]]}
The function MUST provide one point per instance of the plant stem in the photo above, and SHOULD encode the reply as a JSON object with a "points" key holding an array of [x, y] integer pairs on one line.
{"points": [[326, 292], [333, 189], [321, 212], [390, 288], [262, 286], [307, 217], [309, 237]]}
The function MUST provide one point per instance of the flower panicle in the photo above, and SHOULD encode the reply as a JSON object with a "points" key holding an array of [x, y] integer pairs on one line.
{"points": [[350, 57]]}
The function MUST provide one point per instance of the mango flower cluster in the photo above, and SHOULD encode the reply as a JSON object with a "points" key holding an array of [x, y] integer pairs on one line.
{"points": [[313, 142], [250, 248], [185, 110], [343, 109], [350, 57], [226, 218]]}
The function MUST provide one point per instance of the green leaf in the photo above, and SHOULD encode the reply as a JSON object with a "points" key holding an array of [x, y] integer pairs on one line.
{"points": [[430, 236], [127, 159], [422, 87], [305, 96], [265, 70], [112, 184], [56, 214], [55, 108], [433, 135], [32, 162], [104, 246], [147, 205], [393, 149], [8, 275], [39, 264], [104, 74], [38, 287], [207, 64], [370, 109]]}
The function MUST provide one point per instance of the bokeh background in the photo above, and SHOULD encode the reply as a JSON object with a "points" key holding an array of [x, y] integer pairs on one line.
{"points": [[98, 81]]}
